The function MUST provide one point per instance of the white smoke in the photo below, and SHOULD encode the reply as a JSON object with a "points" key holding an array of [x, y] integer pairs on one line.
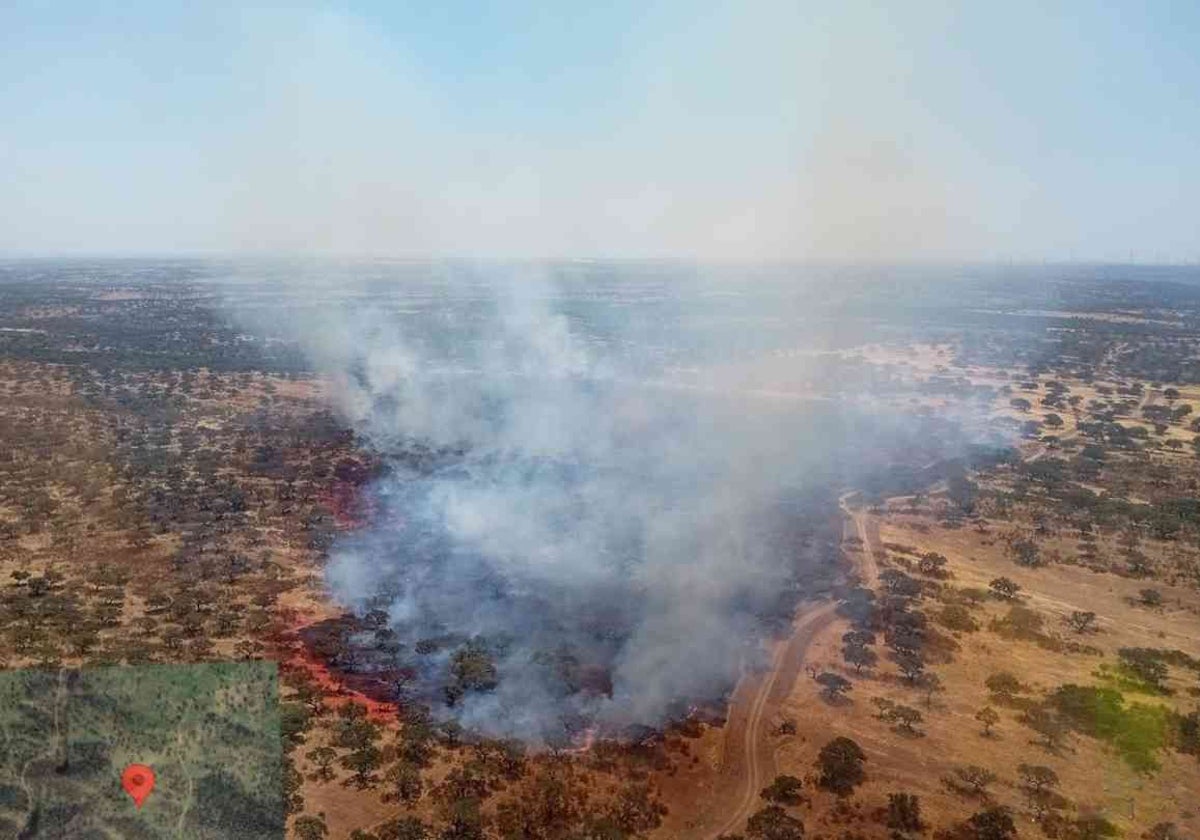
{"points": [[615, 542]]}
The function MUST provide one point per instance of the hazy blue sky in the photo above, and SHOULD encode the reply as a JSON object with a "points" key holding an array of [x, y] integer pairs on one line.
{"points": [[741, 129]]}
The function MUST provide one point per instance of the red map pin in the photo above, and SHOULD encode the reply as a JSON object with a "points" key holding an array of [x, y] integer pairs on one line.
{"points": [[138, 781]]}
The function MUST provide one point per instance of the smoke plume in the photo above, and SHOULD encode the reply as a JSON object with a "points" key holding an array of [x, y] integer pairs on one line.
{"points": [[572, 529]]}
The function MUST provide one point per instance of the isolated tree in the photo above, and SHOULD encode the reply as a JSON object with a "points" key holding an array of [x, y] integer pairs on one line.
{"points": [[1020, 404], [774, 823], [1027, 553], [904, 812], [1037, 777], [899, 584], [1003, 685], [989, 717], [403, 782], [310, 828], [363, 763], [784, 790], [931, 684], [906, 717], [883, 707], [323, 758], [957, 617], [910, 664], [841, 764], [1053, 421], [974, 778], [906, 636], [932, 564], [1081, 621], [833, 686], [1164, 831], [1004, 588], [859, 656], [992, 824], [860, 638], [1151, 598]]}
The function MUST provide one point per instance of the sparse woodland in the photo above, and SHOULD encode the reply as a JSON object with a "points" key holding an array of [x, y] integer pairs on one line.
{"points": [[1026, 664]]}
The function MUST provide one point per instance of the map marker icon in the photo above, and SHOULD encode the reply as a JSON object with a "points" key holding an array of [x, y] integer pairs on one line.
{"points": [[138, 781]]}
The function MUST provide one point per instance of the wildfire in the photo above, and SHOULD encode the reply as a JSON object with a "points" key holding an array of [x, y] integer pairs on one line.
{"points": [[333, 684]]}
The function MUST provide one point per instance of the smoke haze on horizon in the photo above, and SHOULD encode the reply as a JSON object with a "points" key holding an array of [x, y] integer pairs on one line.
{"points": [[765, 130]]}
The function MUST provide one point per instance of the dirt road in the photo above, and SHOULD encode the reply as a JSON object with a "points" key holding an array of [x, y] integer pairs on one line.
{"points": [[749, 762], [868, 568]]}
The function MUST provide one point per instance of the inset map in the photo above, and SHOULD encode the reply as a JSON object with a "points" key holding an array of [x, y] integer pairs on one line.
{"points": [[210, 732]]}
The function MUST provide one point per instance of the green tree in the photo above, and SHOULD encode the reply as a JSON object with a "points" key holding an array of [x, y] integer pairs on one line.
{"points": [[1004, 588], [992, 824], [363, 763], [404, 782], [931, 684], [906, 717], [1027, 553], [904, 812], [310, 828], [1036, 778], [1144, 664], [1151, 598], [403, 828], [784, 790], [293, 723], [833, 686], [974, 778], [1081, 621], [989, 717], [840, 763], [774, 823], [910, 664], [323, 758], [859, 656], [957, 617], [1003, 685]]}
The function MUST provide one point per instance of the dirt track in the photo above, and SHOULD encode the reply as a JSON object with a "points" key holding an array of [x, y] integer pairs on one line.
{"points": [[749, 763]]}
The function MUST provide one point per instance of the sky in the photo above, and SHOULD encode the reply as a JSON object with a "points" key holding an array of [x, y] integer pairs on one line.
{"points": [[728, 130]]}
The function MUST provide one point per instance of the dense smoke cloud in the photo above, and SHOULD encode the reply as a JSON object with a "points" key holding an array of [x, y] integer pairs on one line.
{"points": [[557, 504]]}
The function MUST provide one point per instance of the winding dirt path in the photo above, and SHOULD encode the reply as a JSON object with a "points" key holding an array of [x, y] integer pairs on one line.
{"points": [[756, 763], [750, 763]]}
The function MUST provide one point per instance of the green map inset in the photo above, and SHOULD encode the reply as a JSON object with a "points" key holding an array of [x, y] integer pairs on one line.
{"points": [[210, 732]]}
